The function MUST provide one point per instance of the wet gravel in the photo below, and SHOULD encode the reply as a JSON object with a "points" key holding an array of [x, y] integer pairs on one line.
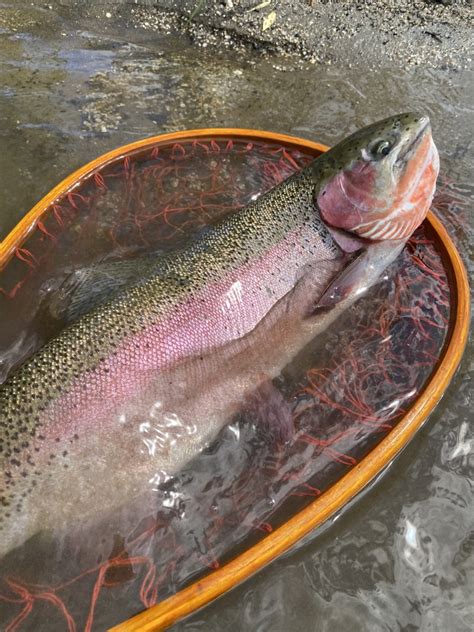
{"points": [[433, 33]]}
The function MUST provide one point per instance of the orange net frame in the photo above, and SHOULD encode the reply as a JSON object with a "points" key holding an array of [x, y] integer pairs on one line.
{"points": [[345, 394]]}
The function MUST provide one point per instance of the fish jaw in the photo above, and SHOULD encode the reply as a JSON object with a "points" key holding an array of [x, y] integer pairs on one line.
{"points": [[387, 198], [411, 199]]}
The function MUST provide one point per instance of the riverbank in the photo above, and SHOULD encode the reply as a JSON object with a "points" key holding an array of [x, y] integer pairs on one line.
{"points": [[433, 33]]}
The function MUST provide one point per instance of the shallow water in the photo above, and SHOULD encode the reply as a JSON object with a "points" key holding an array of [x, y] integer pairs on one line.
{"points": [[401, 557]]}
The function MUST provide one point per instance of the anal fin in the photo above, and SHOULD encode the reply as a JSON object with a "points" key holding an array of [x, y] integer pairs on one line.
{"points": [[271, 413]]}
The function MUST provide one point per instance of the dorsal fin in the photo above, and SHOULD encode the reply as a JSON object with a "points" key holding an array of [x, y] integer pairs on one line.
{"points": [[80, 291]]}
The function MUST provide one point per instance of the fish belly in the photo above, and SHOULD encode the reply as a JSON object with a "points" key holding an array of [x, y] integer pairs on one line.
{"points": [[179, 411]]}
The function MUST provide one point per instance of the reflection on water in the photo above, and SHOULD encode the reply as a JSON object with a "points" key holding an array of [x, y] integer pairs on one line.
{"points": [[401, 558]]}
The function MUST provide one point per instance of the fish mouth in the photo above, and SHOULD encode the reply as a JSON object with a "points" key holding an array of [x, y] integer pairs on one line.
{"points": [[408, 149]]}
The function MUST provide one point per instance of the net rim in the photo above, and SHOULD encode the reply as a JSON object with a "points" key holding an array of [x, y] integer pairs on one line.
{"points": [[27, 224], [201, 592]]}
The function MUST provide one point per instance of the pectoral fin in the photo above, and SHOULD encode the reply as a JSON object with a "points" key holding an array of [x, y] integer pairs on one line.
{"points": [[361, 273]]}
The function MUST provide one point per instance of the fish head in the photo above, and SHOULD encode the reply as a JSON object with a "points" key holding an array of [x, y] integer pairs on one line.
{"points": [[380, 181]]}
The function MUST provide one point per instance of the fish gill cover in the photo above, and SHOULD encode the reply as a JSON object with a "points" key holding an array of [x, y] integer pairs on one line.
{"points": [[345, 392]]}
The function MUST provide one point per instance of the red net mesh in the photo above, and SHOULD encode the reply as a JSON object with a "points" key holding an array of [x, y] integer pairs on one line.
{"points": [[346, 393]]}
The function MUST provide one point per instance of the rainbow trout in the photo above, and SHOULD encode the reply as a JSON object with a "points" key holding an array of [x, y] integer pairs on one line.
{"points": [[139, 384]]}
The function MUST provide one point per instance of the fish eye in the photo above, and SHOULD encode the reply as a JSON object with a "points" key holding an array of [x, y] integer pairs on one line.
{"points": [[381, 148]]}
